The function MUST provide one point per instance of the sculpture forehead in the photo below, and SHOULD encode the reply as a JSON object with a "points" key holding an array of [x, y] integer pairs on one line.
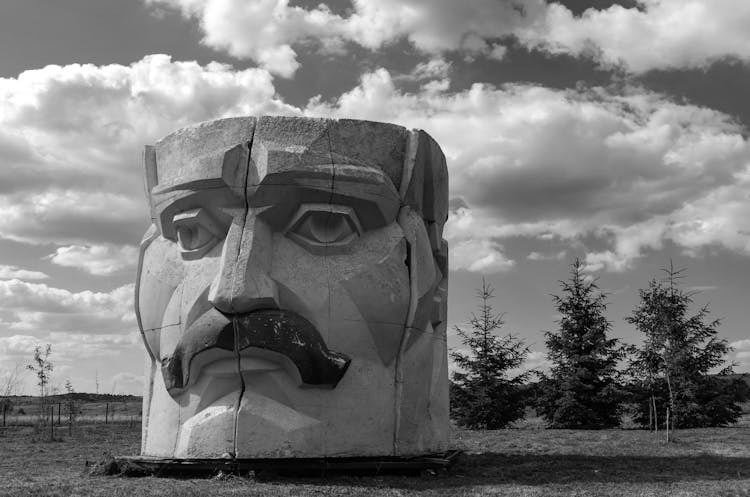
{"points": [[346, 156], [197, 152], [277, 145]]}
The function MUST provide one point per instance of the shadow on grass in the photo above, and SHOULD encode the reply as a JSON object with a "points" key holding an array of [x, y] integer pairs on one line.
{"points": [[492, 469]]}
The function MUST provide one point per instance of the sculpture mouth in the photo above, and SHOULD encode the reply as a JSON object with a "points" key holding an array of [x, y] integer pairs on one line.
{"points": [[272, 334]]}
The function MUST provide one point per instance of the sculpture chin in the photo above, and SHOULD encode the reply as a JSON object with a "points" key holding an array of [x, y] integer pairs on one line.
{"points": [[217, 406], [209, 404]]}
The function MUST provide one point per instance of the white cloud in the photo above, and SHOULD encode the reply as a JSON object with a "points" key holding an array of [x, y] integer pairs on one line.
{"points": [[473, 243], [434, 26], [267, 31], [658, 34], [629, 242], [633, 169], [537, 360], [701, 288], [13, 272], [262, 30], [83, 346], [41, 309], [478, 255], [18, 346], [741, 354], [72, 215], [96, 259], [661, 34], [538, 256], [70, 346], [126, 383], [741, 344], [437, 68], [498, 52], [71, 139], [75, 356], [612, 261]]}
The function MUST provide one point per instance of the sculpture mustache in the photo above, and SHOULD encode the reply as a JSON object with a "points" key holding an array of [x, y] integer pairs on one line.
{"points": [[274, 330]]}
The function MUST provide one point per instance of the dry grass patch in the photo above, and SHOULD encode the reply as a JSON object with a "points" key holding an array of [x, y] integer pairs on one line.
{"points": [[703, 462]]}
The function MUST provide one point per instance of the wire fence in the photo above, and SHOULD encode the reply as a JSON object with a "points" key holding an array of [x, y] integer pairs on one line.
{"points": [[58, 414]]}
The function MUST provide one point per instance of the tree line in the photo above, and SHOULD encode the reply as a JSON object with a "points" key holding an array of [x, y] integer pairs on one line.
{"points": [[677, 378]]}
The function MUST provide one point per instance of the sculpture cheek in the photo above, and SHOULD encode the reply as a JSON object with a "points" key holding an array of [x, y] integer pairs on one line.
{"points": [[161, 272], [304, 277], [423, 273], [380, 293]]}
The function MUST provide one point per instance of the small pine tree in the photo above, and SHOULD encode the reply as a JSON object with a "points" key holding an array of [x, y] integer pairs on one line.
{"points": [[583, 389], [671, 370], [484, 393]]}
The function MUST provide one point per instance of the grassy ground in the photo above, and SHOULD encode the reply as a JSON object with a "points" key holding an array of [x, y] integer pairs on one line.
{"points": [[520, 462]]}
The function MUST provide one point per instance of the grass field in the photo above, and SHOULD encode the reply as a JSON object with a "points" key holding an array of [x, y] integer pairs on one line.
{"points": [[518, 462]]}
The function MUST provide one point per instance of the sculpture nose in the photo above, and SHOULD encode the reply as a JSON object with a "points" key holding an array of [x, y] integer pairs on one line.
{"points": [[243, 284]]}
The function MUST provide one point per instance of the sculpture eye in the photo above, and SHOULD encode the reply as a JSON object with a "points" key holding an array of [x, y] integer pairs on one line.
{"points": [[193, 237], [197, 232], [324, 226]]}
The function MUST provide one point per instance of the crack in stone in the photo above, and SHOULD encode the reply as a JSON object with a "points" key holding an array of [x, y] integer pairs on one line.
{"points": [[234, 321]]}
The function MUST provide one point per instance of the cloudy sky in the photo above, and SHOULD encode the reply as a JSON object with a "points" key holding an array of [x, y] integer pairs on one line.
{"points": [[615, 131]]}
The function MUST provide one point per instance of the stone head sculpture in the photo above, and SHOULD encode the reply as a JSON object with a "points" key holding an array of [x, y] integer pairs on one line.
{"points": [[292, 290]]}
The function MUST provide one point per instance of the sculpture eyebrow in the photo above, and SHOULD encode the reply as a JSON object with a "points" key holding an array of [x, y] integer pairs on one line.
{"points": [[354, 186], [340, 179], [189, 186], [170, 200]]}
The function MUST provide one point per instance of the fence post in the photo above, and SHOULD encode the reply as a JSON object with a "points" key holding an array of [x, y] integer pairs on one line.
{"points": [[106, 414], [59, 407]]}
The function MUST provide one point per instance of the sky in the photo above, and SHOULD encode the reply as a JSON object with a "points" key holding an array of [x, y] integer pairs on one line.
{"points": [[613, 131]]}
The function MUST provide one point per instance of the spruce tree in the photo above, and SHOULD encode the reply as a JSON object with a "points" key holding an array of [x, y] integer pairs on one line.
{"points": [[583, 388], [484, 392], [672, 381]]}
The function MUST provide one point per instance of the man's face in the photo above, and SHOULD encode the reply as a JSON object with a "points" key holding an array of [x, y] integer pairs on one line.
{"points": [[285, 282]]}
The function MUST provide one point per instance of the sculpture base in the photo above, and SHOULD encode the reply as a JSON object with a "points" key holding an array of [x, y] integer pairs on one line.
{"points": [[158, 466]]}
